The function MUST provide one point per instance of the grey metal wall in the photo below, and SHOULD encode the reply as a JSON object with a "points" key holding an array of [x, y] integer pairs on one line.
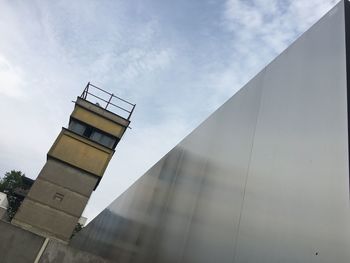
{"points": [[264, 179]]}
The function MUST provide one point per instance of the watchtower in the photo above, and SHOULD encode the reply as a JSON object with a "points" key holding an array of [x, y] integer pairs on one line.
{"points": [[75, 164]]}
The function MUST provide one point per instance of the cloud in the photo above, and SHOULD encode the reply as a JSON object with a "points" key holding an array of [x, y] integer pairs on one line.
{"points": [[11, 79], [271, 23], [139, 61], [257, 31], [242, 14]]}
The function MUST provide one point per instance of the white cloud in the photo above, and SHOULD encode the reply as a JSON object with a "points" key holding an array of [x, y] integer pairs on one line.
{"points": [[258, 30], [139, 61], [11, 80], [271, 23], [241, 13]]}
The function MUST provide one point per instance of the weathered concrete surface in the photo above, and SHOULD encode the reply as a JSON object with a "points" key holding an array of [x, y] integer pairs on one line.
{"points": [[57, 252], [18, 245], [44, 192], [45, 220], [56, 200], [68, 177]]}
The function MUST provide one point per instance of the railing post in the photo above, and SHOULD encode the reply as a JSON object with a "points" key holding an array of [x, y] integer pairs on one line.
{"points": [[87, 89], [110, 98], [132, 110], [84, 94]]}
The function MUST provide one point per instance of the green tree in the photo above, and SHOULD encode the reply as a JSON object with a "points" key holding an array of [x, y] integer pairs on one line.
{"points": [[8, 184]]}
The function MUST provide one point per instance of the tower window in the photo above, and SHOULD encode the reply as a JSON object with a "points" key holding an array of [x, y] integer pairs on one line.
{"points": [[88, 131], [103, 139], [92, 133], [77, 127]]}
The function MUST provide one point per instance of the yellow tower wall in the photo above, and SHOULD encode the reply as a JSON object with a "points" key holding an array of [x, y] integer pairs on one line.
{"points": [[97, 121], [81, 153]]}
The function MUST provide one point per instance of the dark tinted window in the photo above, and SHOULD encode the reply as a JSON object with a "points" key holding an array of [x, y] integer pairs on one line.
{"points": [[92, 133]]}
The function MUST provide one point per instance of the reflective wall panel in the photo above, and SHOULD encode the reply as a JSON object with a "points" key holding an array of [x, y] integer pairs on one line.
{"points": [[296, 206], [264, 179]]}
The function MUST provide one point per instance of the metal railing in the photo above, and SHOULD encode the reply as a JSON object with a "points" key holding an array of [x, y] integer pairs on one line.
{"points": [[124, 105]]}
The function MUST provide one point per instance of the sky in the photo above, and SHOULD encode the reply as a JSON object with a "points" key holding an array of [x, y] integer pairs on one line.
{"points": [[177, 60]]}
